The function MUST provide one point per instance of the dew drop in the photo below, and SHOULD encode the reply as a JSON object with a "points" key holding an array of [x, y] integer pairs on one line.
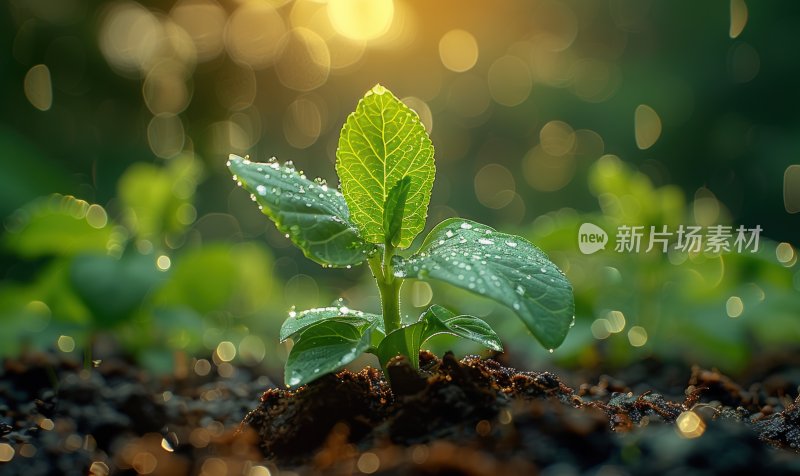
{"points": [[511, 244], [466, 226], [448, 234], [262, 190], [294, 380], [485, 241]]}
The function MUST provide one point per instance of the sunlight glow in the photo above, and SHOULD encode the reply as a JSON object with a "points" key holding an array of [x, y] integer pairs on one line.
{"points": [[361, 19]]}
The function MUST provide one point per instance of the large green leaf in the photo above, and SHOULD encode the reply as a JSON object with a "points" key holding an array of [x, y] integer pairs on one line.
{"points": [[382, 142], [313, 215], [506, 268], [324, 348], [299, 321], [440, 320]]}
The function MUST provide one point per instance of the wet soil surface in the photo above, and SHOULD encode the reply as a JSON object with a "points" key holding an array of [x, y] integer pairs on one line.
{"points": [[467, 417]]}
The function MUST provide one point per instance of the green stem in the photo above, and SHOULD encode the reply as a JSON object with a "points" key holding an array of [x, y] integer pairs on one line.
{"points": [[388, 286]]}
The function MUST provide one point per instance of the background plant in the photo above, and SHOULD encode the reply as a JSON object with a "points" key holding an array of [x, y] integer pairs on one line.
{"points": [[133, 279], [385, 161]]}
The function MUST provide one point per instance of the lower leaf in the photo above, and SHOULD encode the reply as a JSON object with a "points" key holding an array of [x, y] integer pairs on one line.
{"points": [[440, 320], [324, 348]]}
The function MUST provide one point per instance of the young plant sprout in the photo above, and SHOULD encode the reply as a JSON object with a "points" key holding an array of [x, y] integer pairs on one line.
{"points": [[386, 168]]}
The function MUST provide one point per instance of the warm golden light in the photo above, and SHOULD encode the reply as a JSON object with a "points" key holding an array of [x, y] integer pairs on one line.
{"points": [[38, 87], [305, 62], [600, 328], [302, 123], [6, 452], [422, 109], [163, 263], [368, 463], [786, 254], [616, 321], [647, 126], [557, 138], [226, 351], [204, 21], [165, 135], [791, 189], [546, 172], [734, 307], [259, 471], [96, 216], [253, 34], [637, 336], [738, 17], [458, 50], [252, 349], [690, 425], [165, 90], [706, 207], [66, 344], [361, 19]]}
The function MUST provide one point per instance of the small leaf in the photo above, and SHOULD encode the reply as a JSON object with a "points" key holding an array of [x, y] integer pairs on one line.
{"points": [[313, 215], [302, 320], [506, 268], [324, 348], [382, 142], [393, 210], [442, 321], [404, 341]]}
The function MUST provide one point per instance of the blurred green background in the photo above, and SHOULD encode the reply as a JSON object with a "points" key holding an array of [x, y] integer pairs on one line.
{"points": [[121, 224]]}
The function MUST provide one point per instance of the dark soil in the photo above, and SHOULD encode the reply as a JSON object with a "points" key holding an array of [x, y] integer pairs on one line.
{"points": [[468, 417]]}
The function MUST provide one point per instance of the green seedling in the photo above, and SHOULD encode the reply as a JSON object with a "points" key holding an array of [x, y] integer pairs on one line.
{"points": [[386, 168]]}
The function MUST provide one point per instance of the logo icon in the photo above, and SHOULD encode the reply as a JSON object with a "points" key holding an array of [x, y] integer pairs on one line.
{"points": [[591, 238]]}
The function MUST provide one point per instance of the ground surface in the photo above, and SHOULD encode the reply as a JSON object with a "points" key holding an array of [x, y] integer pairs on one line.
{"points": [[468, 417]]}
